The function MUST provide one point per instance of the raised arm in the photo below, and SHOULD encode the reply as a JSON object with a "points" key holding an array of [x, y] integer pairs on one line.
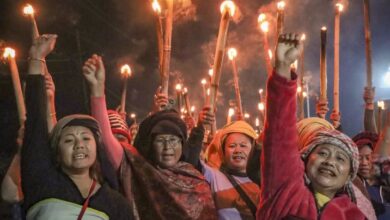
{"points": [[94, 73], [36, 161], [280, 158], [369, 117]]}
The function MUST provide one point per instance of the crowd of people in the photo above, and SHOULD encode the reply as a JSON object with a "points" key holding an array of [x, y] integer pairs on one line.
{"points": [[96, 167]]}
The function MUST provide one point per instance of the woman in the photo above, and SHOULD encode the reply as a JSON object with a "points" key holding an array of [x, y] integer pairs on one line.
{"points": [[66, 177], [313, 184], [154, 176]]}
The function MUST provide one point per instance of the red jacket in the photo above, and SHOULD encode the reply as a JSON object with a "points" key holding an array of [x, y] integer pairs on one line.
{"points": [[284, 192]]}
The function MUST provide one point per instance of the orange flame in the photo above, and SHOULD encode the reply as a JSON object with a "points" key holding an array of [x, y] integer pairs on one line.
{"points": [[211, 72], [260, 91], [193, 108], [257, 122], [264, 26], [247, 115], [231, 112], [133, 115], [203, 81], [229, 6], [126, 70], [156, 7], [178, 87], [270, 53], [340, 7], [232, 53], [9, 53], [381, 105], [28, 10], [261, 18], [303, 37], [185, 90], [281, 5], [323, 28], [299, 89], [304, 94]]}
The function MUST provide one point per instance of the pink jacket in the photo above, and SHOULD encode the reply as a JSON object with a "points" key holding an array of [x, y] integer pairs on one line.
{"points": [[284, 193]]}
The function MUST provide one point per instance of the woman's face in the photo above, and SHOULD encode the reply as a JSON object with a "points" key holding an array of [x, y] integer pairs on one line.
{"points": [[328, 168], [365, 162], [76, 149], [237, 149], [167, 150]]}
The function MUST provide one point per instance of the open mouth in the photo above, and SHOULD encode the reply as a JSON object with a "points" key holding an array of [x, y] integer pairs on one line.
{"points": [[326, 172], [79, 156], [238, 158]]}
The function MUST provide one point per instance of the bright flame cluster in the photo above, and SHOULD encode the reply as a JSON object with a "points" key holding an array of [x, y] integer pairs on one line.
{"points": [[303, 37], [28, 10], [9, 53], [281, 5], [381, 105], [229, 6], [178, 87], [264, 25], [261, 106], [185, 90], [156, 7], [340, 7], [203, 81], [231, 112], [323, 28], [126, 70], [211, 72], [232, 53]]}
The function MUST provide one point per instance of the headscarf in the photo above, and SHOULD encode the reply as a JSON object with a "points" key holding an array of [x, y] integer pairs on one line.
{"points": [[162, 122], [308, 126], [214, 152], [337, 139], [89, 122], [118, 124], [366, 138]]}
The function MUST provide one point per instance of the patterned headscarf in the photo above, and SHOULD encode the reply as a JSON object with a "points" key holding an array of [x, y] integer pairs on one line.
{"points": [[366, 138], [118, 124], [337, 139], [308, 126]]}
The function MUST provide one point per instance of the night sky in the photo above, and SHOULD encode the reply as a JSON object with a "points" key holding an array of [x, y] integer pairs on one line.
{"points": [[123, 31]]}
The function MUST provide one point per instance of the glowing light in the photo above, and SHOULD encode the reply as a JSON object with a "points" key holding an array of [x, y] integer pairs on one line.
{"points": [[28, 10], [133, 115], [208, 91], [232, 53], [303, 37], [386, 79], [304, 94], [323, 28], [260, 91], [381, 105], [178, 87], [126, 70], [185, 90], [246, 115], [156, 7], [340, 7], [231, 112], [270, 53], [193, 108], [281, 5], [299, 89], [264, 26], [229, 6], [261, 106], [261, 18], [9, 53], [203, 81], [211, 72], [257, 122]]}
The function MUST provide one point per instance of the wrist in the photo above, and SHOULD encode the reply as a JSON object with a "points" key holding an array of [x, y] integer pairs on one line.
{"points": [[97, 90]]}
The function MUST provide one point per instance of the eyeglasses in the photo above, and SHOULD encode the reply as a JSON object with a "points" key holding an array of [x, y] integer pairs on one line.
{"points": [[170, 141]]}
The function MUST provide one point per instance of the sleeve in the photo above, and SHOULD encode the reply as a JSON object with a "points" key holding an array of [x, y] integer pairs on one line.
{"points": [[280, 157], [114, 148], [194, 146], [36, 165]]}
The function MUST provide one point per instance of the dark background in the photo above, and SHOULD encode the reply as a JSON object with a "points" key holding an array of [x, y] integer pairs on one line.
{"points": [[123, 31]]}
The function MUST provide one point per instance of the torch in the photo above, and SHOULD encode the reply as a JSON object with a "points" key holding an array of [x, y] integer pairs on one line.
{"points": [[301, 104], [28, 11], [264, 26], [160, 41], [204, 82], [167, 48], [9, 54], [367, 36], [261, 108], [336, 108], [178, 96], [126, 73], [323, 77], [227, 11], [232, 54], [230, 115], [187, 101], [280, 18], [381, 107]]}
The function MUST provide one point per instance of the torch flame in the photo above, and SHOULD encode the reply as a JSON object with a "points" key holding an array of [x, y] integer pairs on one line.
{"points": [[185, 90], [381, 105], [303, 37], [178, 87], [211, 72], [208, 91], [9, 53], [133, 115], [281, 5], [257, 122], [260, 91], [246, 115], [193, 108], [304, 94], [264, 26], [231, 112], [156, 7], [229, 6], [126, 70], [260, 106], [323, 28], [261, 18], [28, 10], [340, 7], [204, 81], [299, 89], [232, 53], [270, 53]]}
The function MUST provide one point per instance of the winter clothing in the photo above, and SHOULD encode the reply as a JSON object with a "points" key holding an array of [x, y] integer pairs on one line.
{"points": [[284, 192], [118, 124]]}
